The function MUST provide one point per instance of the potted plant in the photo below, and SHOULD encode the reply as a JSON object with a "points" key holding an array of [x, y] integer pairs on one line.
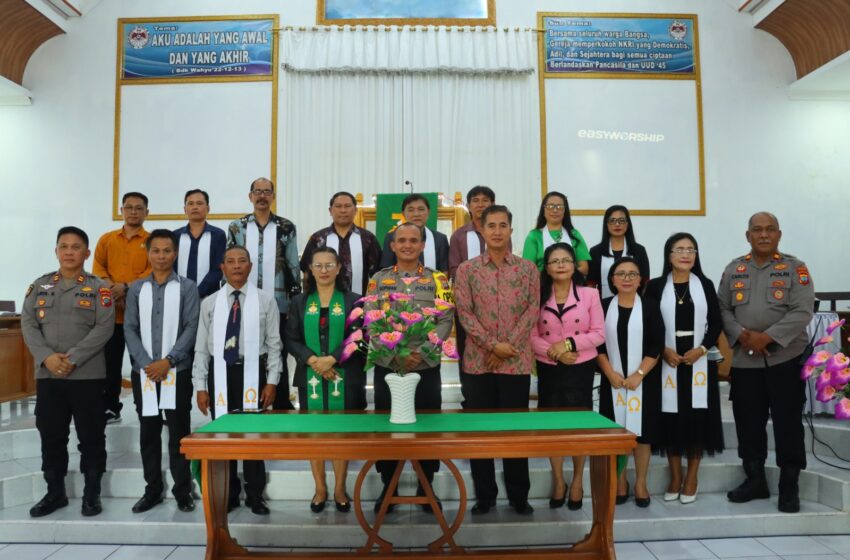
{"points": [[391, 330]]}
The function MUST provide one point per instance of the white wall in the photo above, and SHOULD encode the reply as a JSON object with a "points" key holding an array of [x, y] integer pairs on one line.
{"points": [[762, 150]]}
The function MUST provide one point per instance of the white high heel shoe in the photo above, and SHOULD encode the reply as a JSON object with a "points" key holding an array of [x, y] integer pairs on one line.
{"points": [[685, 499], [671, 496]]}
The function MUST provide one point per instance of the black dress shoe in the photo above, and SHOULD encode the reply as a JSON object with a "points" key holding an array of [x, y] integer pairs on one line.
{"points": [[145, 503], [91, 506], [258, 506], [574, 505], [48, 504], [185, 503], [483, 506], [556, 503], [380, 501], [623, 498], [317, 507], [345, 506], [642, 502], [232, 504], [522, 507]]}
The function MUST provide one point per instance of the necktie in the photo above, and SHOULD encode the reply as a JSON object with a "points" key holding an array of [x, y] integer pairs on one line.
{"points": [[231, 335]]}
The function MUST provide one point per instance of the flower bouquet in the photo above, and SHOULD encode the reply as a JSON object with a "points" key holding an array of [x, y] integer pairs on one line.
{"points": [[392, 329], [832, 372]]}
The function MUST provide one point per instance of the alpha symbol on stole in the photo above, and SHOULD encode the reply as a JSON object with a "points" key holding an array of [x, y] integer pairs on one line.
{"points": [[620, 400], [220, 400], [669, 382], [148, 385]]}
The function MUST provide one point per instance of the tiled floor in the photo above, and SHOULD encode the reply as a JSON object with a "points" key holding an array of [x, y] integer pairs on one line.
{"points": [[770, 548]]}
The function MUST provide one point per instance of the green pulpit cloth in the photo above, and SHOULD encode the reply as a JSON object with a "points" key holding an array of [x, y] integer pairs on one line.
{"points": [[388, 212], [425, 423]]}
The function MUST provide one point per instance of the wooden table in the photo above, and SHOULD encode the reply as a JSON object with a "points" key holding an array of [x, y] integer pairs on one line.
{"points": [[214, 450], [17, 380]]}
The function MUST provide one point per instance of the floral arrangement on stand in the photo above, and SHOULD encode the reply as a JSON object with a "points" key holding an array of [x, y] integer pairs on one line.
{"points": [[393, 330], [832, 372]]}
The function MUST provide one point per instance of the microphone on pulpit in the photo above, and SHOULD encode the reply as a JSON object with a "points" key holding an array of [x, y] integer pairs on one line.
{"points": [[409, 184]]}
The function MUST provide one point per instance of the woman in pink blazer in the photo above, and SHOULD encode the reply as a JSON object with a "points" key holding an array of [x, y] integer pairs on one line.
{"points": [[569, 328]]}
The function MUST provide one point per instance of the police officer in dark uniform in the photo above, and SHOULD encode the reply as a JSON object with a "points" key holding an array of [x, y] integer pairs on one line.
{"points": [[67, 320], [425, 284], [767, 300]]}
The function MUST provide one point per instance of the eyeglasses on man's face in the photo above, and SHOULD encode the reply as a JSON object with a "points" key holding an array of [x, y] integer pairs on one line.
{"points": [[632, 275], [262, 192]]}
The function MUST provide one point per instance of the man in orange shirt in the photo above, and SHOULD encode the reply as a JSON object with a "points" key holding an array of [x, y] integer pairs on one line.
{"points": [[120, 259]]}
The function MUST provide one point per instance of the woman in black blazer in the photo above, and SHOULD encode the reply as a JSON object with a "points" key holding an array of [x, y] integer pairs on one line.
{"points": [[618, 240], [315, 331]]}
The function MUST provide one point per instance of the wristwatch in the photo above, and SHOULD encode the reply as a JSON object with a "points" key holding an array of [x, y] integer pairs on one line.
{"points": [[171, 361]]}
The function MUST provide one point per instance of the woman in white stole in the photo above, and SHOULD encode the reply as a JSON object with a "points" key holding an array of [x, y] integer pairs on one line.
{"points": [[618, 240], [690, 402], [555, 225], [316, 332], [630, 392]]}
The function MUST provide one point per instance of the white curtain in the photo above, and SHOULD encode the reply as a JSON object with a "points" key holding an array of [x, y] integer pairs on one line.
{"points": [[408, 49], [372, 129]]}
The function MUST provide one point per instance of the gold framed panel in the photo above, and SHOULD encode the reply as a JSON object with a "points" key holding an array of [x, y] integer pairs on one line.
{"points": [[542, 76], [489, 21], [119, 83]]}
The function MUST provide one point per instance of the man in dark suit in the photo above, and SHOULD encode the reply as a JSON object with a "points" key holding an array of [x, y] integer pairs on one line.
{"points": [[435, 256]]}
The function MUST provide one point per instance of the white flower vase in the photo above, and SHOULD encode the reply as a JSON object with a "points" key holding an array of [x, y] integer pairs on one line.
{"points": [[403, 397]]}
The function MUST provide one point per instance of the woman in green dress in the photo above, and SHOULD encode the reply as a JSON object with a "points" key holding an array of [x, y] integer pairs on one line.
{"points": [[554, 224]]}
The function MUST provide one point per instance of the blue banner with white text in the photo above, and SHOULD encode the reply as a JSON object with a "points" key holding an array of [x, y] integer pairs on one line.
{"points": [[599, 44], [203, 48]]}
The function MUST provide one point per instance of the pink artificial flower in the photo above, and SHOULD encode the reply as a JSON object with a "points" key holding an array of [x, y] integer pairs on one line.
{"points": [[411, 318], [372, 316], [842, 409], [823, 380], [840, 378], [442, 304], [834, 325], [807, 372], [355, 314], [837, 362], [399, 296], [356, 336], [348, 351], [450, 349], [368, 299], [409, 280], [825, 394], [824, 340], [390, 339], [432, 312], [818, 358], [434, 339]]}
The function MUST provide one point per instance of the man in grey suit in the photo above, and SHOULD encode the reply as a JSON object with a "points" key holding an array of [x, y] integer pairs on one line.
{"points": [[435, 255]]}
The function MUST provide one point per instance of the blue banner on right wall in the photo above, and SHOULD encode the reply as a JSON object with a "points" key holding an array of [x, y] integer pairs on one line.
{"points": [[616, 45]]}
